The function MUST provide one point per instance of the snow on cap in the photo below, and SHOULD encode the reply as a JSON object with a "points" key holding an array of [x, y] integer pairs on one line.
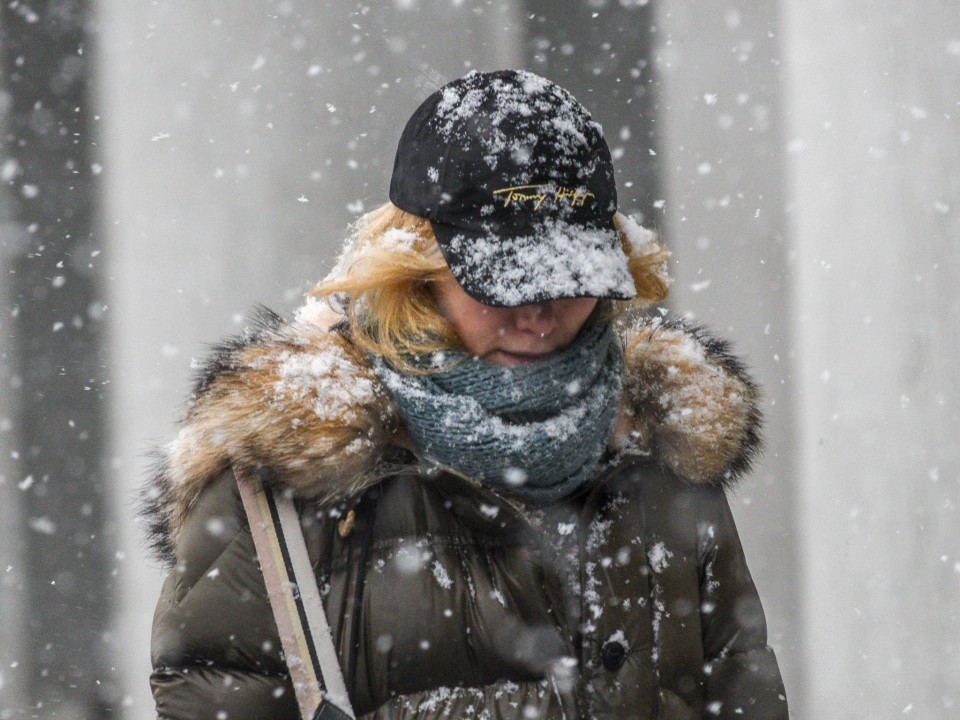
{"points": [[517, 182]]}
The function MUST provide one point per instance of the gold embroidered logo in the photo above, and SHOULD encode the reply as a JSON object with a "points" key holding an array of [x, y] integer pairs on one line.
{"points": [[539, 194]]}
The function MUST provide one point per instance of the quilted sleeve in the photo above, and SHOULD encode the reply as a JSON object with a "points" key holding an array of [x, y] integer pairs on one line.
{"points": [[215, 645], [742, 676]]}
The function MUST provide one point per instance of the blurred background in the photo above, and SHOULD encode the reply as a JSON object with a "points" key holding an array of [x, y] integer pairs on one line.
{"points": [[168, 164]]}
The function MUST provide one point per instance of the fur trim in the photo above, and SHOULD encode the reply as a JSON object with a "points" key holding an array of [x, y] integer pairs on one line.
{"points": [[689, 402], [293, 399], [298, 400]]}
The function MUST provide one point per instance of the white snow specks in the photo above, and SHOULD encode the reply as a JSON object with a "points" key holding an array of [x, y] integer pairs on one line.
{"points": [[318, 312], [561, 260], [411, 559], [533, 84], [618, 637], [42, 525], [659, 556], [570, 133], [329, 378], [441, 575], [393, 240], [401, 241], [642, 242], [528, 97], [489, 511], [9, 169], [515, 476], [215, 526]]}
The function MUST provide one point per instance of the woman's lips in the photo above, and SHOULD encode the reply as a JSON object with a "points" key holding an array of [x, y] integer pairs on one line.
{"points": [[506, 357]]}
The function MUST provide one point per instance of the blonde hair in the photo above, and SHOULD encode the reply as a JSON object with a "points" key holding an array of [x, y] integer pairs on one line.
{"points": [[382, 283]]}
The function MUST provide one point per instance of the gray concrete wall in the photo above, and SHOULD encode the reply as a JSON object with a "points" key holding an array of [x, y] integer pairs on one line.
{"points": [[723, 170], [12, 622], [240, 140], [11, 570], [874, 130]]}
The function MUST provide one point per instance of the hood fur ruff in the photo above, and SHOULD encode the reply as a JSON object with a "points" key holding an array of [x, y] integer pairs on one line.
{"points": [[297, 399]]}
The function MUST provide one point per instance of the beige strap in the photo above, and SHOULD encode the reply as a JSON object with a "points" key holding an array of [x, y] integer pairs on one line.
{"points": [[292, 588]]}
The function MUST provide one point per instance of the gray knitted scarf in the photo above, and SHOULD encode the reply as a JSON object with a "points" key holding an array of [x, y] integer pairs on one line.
{"points": [[538, 430]]}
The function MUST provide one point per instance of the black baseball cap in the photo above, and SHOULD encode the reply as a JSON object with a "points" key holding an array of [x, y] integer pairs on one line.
{"points": [[517, 182]]}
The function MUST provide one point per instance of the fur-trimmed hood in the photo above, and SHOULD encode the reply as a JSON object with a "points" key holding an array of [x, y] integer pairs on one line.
{"points": [[296, 398]]}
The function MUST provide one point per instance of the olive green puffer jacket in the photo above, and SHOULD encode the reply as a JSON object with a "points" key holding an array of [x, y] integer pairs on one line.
{"points": [[629, 599]]}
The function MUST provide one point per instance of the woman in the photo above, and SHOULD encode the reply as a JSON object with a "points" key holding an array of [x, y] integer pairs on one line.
{"points": [[510, 483]]}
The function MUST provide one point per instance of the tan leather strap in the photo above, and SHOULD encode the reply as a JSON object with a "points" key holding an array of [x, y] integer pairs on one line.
{"points": [[292, 587]]}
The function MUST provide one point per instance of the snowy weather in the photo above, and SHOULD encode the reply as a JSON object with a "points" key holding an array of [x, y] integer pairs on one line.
{"points": [[483, 359]]}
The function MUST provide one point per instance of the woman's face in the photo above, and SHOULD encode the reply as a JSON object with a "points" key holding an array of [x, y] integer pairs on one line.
{"points": [[511, 336]]}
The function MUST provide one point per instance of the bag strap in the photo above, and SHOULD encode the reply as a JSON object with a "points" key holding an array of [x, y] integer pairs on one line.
{"points": [[292, 587]]}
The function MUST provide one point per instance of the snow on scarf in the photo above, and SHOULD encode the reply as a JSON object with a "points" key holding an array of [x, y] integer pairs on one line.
{"points": [[538, 430]]}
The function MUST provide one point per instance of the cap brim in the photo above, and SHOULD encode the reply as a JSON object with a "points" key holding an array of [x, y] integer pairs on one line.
{"points": [[556, 260]]}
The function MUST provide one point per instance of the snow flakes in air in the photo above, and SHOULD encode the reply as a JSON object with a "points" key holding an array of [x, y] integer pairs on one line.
{"points": [[42, 525], [489, 511], [515, 476], [411, 558], [9, 169], [215, 526], [384, 643]]}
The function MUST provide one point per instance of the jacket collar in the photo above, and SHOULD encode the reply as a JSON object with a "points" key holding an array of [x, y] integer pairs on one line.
{"points": [[295, 397]]}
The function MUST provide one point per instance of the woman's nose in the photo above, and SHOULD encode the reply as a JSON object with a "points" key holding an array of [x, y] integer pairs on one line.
{"points": [[537, 318]]}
